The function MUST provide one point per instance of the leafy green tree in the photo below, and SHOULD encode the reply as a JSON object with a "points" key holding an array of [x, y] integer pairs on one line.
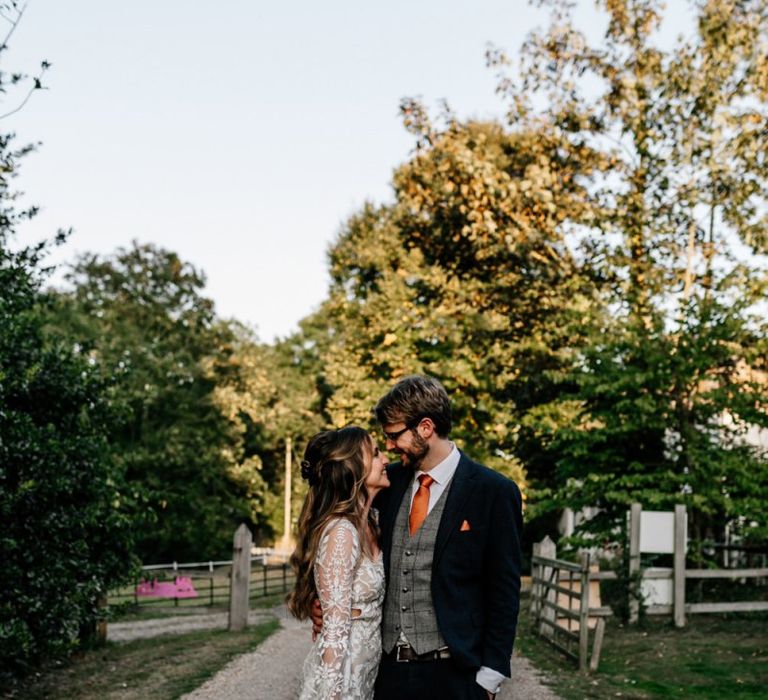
{"points": [[139, 316], [269, 393], [578, 279], [465, 277], [64, 537], [676, 374]]}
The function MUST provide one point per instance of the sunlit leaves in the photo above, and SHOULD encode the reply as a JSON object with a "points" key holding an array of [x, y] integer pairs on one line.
{"points": [[680, 193]]}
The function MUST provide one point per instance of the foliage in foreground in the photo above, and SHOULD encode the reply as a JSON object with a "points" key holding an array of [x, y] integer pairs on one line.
{"points": [[65, 535]]}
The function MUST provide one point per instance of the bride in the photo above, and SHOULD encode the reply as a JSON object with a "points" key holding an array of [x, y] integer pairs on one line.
{"points": [[338, 560]]}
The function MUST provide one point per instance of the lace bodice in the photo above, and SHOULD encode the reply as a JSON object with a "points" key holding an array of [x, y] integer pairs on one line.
{"points": [[343, 662]]}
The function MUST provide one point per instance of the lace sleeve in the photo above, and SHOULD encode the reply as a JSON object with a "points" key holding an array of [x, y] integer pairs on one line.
{"points": [[335, 567]]}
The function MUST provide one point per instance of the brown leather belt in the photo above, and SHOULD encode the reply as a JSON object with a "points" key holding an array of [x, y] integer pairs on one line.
{"points": [[405, 652]]}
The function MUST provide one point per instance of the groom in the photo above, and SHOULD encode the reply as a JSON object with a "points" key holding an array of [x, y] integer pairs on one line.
{"points": [[450, 533]]}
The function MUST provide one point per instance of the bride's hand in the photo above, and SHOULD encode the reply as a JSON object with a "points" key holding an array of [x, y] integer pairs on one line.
{"points": [[317, 618]]}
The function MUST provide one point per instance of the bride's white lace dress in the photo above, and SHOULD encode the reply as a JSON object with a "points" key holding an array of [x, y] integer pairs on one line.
{"points": [[343, 662]]}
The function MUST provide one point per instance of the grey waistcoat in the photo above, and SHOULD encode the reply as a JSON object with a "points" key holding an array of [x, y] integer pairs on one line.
{"points": [[408, 605]]}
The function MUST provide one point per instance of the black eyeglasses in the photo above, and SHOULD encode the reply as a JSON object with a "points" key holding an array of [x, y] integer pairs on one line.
{"points": [[394, 437]]}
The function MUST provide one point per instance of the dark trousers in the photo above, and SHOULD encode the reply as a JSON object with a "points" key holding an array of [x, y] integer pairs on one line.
{"points": [[441, 679]]}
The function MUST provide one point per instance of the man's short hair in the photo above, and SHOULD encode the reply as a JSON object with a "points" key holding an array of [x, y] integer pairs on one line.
{"points": [[413, 398]]}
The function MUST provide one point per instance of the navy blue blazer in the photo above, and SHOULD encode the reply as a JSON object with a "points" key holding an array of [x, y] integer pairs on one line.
{"points": [[475, 572]]}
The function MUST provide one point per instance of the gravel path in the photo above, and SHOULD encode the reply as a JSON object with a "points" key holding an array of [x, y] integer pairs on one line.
{"points": [[143, 629], [527, 683], [273, 671]]}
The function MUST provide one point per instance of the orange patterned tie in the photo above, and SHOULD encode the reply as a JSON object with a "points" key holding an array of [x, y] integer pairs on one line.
{"points": [[420, 504]]}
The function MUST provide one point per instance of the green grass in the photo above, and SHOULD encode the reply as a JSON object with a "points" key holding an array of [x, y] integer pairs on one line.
{"points": [[162, 668], [130, 613], [266, 602], [713, 657], [136, 614]]}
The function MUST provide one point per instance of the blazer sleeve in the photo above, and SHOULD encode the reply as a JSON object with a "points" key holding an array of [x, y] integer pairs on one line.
{"points": [[502, 576]]}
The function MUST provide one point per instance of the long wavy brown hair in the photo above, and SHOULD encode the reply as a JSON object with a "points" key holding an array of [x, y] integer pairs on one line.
{"points": [[334, 466]]}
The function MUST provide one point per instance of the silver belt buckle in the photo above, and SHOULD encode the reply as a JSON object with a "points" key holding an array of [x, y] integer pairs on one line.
{"points": [[397, 653]]}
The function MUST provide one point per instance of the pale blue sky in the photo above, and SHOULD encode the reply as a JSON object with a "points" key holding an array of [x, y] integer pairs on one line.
{"points": [[239, 133]]}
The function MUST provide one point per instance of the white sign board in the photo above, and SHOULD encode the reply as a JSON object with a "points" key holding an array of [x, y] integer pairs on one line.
{"points": [[657, 532]]}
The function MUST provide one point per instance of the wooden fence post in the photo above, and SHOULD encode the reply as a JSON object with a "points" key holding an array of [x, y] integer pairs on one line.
{"points": [[679, 566], [548, 549], [634, 560], [584, 614], [535, 573], [240, 579], [597, 645], [101, 621]]}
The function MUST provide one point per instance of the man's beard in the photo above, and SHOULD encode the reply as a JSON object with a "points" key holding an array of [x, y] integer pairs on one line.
{"points": [[416, 453]]}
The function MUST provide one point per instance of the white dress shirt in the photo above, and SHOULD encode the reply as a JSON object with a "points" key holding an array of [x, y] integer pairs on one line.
{"points": [[442, 474]]}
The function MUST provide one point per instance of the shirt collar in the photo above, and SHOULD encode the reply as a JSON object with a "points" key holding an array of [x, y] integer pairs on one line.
{"points": [[443, 472]]}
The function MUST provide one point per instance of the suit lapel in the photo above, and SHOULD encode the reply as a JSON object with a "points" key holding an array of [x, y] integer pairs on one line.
{"points": [[462, 486]]}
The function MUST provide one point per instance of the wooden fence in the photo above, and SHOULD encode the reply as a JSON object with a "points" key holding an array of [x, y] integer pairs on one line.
{"points": [[211, 581], [560, 605], [675, 577], [679, 608], [680, 574]]}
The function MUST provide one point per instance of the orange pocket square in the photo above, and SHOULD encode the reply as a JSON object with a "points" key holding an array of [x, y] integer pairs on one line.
{"points": [[465, 526]]}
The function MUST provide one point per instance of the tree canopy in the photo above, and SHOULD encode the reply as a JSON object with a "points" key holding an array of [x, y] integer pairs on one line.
{"points": [[675, 375], [140, 318]]}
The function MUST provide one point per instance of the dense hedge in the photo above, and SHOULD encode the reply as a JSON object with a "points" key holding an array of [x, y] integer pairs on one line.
{"points": [[64, 537]]}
